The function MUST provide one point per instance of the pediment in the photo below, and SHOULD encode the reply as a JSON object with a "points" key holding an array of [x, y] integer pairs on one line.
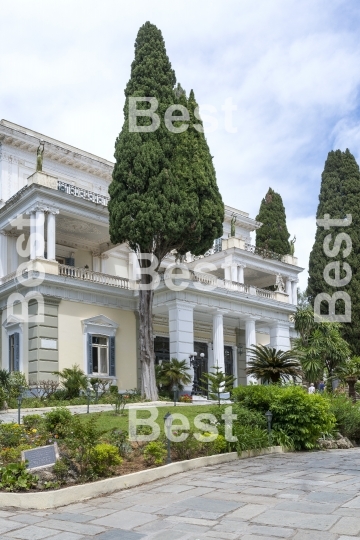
{"points": [[12, 320], [100, 320]]}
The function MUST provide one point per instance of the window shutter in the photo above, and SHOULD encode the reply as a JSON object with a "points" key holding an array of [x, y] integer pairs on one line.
{"points": [[69, 261], [16, 351], [112, 356], [89, 354]]}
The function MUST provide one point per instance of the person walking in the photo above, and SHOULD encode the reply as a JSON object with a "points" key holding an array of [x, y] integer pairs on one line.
{"points": [[311, 389]]}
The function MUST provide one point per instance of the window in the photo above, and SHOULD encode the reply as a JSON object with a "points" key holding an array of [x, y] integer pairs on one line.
{"points": [[14, 352], [100, 355]]}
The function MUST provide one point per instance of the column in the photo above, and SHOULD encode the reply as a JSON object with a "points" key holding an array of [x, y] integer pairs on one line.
{"points": [[288, 290], [233, 270], [227, 273], [218, 340], [210, 354], [13, 260], [40, 240], [51, 236], [280, 336], [294, 292], [95, 261], [103, 258], [3, 254], [32, 236], [241, 273], [250, 341], [181, 333], [235, 364]]}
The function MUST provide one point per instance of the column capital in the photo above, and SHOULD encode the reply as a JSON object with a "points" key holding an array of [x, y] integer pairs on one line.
{"points": [[219, 311], [39, 207], [241, 265]]}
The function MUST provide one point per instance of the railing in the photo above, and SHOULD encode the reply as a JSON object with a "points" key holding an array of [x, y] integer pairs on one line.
{"points": [[82, 193], [94, 277], [265, 253], [263, 293], [8, 277]]}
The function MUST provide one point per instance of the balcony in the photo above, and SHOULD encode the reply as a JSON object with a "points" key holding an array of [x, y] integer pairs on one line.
{"points": [[93, 277]]}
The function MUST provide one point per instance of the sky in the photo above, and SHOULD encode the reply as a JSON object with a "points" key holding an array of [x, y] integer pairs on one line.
{"points": [[291, 68]]}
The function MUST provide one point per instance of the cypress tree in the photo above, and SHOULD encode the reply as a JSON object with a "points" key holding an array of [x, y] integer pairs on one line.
{"points": [[339, 195], [163, 195], [273, 235]]}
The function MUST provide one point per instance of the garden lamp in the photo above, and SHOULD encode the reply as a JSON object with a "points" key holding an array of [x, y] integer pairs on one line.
{"points": [[19, 400], [88, 394], [175, 390], [168, 423]]}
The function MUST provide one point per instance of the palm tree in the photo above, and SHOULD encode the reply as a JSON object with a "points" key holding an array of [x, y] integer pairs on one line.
{"points": [[319, 346], [350, 373], [272, 365], [73, 380], [5, 379], [173, 372]]}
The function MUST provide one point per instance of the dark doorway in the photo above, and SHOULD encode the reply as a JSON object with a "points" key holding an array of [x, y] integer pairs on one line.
{"points": [[229, 362], [162, 349], [202, 364]]}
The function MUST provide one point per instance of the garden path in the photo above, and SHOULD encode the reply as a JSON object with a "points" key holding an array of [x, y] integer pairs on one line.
{"points": [[299, 496]]}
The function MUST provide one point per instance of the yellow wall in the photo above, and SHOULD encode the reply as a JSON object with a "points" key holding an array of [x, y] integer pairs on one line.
{"points": [[71, 339], [262, 339], [82, 258], [116, 267]]}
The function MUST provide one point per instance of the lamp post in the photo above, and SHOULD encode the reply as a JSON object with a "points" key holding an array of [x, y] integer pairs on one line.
{"points": [[19, 400], [269, 416], [88, 394], [168, 423], [175, 390], [96, 388]]}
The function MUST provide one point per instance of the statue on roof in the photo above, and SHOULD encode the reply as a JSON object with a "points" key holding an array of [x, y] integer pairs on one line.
{"points": [[40, 156], [233, 221], [279, 284], [292, 246]]}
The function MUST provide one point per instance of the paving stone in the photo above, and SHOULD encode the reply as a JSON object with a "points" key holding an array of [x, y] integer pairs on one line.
{"points": [[355, 503], [119, 534], [307, 507], [248, 511], [296, 520], [328, 497], [280, 532], [347, 525], [319, 535], [31, 533], [80, 528], [209, 505], [68, 516], [27, 518], [126, 519], [68, 536]]}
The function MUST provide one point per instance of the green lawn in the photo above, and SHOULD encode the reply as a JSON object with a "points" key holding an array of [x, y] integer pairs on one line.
{"points": [[108, 420]]}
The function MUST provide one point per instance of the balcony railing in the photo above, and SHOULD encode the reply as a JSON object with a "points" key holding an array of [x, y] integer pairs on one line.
{"points": [[82, 193], [94, 277], [265, 253]]}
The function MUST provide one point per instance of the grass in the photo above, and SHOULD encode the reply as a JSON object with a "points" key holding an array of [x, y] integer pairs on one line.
{"points": [[108, 420]]}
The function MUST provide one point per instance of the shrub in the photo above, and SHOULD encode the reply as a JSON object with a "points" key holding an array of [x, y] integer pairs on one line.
{"points": [[11, 435], [11, 454], [300, 416], [217, 446], [61, 470], [15, 477], [57, 421], [82, 437], [155, 453], [188, 449], [114, 389], [185, 398], [250, 438], [119, 439], [17, 380], [347, 416], [73, 380], [103, 457], [2, 398], [32, 421]]}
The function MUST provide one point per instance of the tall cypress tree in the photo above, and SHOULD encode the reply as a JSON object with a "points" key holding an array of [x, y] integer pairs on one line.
{"points": [[163, 195], [339, 195], [273, 235]]}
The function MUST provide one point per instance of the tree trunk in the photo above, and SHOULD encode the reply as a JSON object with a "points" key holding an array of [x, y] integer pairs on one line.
{"points": [[352, 392], [147, 355]]}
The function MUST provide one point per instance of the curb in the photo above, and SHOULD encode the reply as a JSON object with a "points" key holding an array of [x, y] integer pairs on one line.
{"points": [[51, 499]]}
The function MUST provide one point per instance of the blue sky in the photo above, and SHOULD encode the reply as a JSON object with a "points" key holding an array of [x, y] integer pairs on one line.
{"points": [[291, 68]]}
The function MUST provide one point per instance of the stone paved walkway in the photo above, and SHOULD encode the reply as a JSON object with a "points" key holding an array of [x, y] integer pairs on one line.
{"points": [[312, 496]]}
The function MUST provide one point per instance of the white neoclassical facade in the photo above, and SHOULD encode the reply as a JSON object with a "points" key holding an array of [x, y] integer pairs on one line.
{"points": [[68, 296]]}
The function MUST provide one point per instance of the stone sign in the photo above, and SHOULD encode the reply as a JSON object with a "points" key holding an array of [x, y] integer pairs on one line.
{"points": [[41, 457]]}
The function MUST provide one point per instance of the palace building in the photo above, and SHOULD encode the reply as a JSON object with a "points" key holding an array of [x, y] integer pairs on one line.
{"points": [[68, 296]]}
